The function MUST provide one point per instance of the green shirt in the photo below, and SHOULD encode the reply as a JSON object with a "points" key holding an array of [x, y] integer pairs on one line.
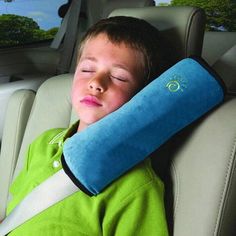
{"points": [[130, 206]]}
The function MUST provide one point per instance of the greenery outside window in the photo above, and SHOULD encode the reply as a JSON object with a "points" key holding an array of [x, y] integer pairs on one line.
{"points": [[28, 21], [221, 14]]}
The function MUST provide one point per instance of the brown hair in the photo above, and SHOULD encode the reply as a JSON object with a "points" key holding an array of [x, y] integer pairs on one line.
{"points": [[138, 34]]}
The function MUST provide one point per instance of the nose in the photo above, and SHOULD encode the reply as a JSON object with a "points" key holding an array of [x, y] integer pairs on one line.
{"points": [[98, 84]]}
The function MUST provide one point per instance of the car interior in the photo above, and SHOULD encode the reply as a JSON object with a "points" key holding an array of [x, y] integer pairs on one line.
{"points": [[197, 165]]}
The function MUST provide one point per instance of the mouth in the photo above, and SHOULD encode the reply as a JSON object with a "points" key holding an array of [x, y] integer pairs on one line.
{"points": [[91, 101]]}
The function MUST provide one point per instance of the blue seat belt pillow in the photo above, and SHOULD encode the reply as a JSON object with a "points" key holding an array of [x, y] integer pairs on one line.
{"points": [[108, 148]]}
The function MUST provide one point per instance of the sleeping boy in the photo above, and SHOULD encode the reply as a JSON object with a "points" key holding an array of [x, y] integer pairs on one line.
{"points": [[117, 57]]}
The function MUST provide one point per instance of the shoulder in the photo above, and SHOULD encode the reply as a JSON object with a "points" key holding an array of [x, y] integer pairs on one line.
{"points": [[137, 198], [140, 180]]}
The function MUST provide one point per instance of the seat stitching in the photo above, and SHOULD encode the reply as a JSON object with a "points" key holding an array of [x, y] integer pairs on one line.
{"points": [[14, 151], [226, 187], [17, 125], [176, 200], [192, 14]]}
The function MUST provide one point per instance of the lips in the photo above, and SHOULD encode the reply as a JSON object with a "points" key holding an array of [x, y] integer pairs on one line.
{"points": [[90, 100]]}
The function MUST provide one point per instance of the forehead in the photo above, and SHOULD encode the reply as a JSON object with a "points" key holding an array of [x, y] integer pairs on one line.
{"points": [[102, 38], [101, 46]]}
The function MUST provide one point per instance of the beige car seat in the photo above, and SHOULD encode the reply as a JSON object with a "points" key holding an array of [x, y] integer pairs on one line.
{"points": [[197, 165]]}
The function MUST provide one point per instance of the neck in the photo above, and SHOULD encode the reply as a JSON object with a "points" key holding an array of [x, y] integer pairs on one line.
{"points": [[81, 126]]}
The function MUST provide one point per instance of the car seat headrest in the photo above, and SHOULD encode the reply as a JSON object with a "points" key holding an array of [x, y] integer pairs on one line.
{"points": [[182, 26]]}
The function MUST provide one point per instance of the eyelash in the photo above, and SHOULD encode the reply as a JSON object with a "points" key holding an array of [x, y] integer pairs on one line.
{"points": [[112, 77], [87, 71], [117, 78]]}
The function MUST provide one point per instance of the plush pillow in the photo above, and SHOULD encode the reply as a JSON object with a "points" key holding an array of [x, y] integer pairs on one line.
{"points": [[108, 148]]}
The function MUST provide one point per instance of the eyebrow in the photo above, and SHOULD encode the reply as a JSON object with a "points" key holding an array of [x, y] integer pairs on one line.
{"points": [[88, 58], [117, 65]]}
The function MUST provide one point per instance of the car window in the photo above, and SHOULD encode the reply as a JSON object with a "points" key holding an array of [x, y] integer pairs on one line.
{"points": [[220, 14], [28, 21]]}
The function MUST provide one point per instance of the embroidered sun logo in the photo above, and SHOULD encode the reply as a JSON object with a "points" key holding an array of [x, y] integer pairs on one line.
{"points": [[176, 83]]}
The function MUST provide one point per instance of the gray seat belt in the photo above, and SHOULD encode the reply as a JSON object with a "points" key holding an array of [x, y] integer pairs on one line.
{"points": [[225, 66], [54, 189], [61, 32], [68, 31]]}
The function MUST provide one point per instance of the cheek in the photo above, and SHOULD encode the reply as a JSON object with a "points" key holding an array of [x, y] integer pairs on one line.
{"points": [[120, 99], [77, 83], [75, 92]]}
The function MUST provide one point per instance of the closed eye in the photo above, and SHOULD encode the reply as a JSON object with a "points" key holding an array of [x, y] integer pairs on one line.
{"points": [[87, 71], [119, 78]]}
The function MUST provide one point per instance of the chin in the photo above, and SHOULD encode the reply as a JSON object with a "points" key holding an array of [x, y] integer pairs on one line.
{"points": [[91, 120]]}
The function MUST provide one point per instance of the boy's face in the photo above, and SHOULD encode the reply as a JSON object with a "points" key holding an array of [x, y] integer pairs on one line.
{"points": [[106, 77]]}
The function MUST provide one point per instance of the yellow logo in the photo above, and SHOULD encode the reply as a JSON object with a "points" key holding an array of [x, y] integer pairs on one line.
{"points": [[177, 83]]}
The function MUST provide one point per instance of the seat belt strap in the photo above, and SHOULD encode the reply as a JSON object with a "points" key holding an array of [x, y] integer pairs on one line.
{"points": [[51, 191], [70, 37], [61, 32], [225, 67]]}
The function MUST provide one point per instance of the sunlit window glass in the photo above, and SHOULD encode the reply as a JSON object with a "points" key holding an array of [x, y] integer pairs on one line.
{"points": [[27, 21]]}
